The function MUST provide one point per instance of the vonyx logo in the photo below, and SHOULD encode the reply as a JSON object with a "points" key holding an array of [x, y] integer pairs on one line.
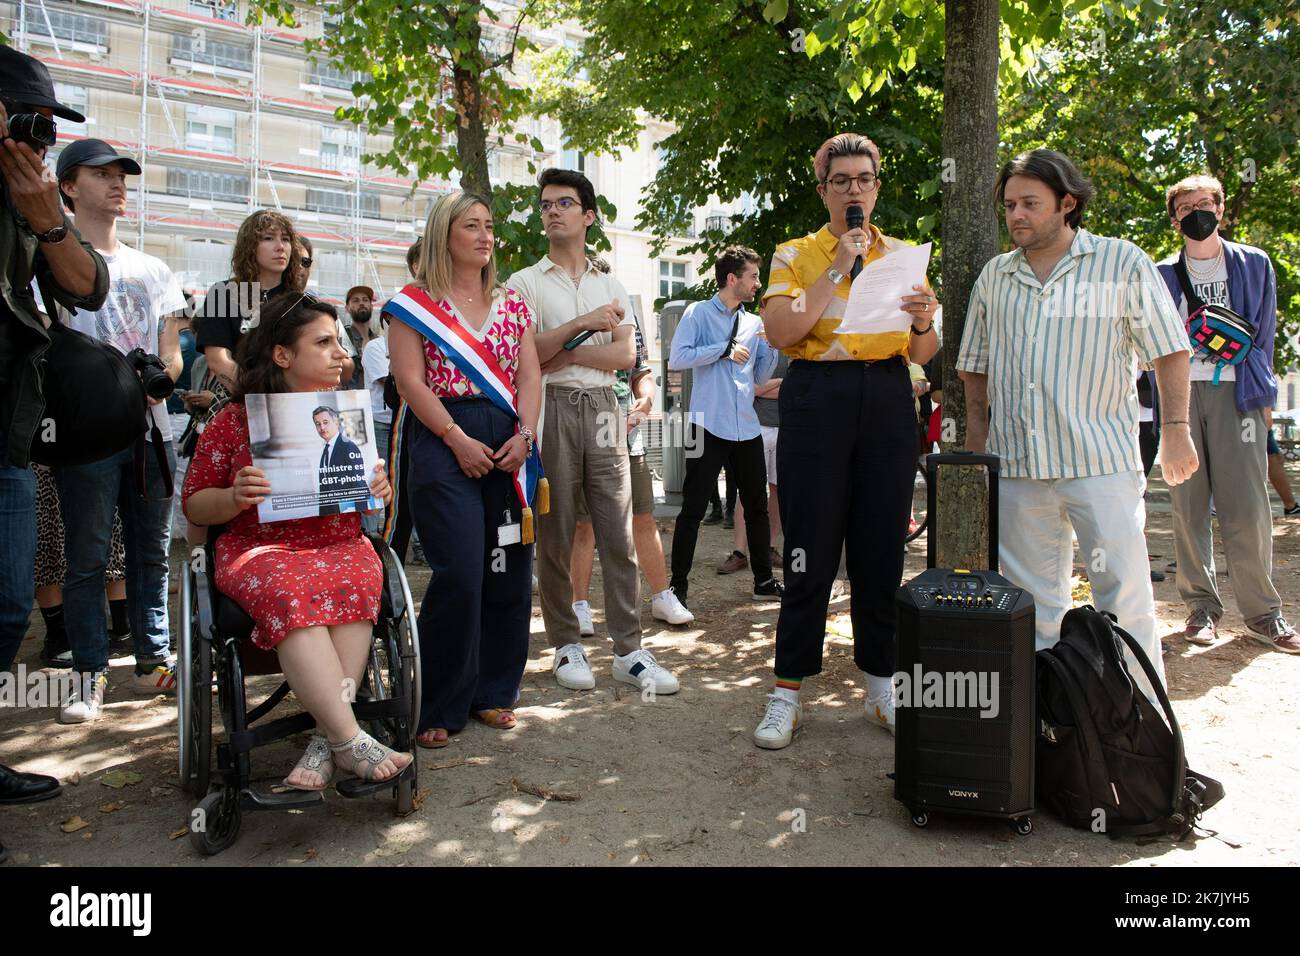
{"points": [[965, 794], [74, 909]]}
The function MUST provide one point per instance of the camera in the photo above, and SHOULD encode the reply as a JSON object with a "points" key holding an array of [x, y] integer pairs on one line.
{"points": [[35, 130], [153, 374]]}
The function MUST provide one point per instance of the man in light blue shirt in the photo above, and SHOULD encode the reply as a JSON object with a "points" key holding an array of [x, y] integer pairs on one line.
{"points": [[719, 341]]}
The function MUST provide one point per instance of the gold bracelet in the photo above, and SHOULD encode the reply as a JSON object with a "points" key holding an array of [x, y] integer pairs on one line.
{"points": [[447, 431]]}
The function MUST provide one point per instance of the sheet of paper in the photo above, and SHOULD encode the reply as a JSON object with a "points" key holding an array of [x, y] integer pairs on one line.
{"points": [[875, 299]]}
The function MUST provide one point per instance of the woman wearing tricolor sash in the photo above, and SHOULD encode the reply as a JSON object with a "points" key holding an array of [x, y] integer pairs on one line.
{"points": [[463, 357]]}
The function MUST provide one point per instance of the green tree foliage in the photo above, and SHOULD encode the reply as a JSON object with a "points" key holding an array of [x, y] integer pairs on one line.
{"points": [[437, 76], [749, 108], [1141, 104]]}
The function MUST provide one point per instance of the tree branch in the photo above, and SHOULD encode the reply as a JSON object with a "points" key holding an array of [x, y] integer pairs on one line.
{"points": [[508, 59]]}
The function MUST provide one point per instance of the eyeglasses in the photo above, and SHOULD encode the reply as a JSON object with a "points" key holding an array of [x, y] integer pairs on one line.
{"points": [[565, 204], [1205, 205], [840, 184]]}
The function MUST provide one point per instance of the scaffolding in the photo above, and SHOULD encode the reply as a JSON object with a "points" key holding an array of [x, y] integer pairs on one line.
{"points": [[207, 106]]}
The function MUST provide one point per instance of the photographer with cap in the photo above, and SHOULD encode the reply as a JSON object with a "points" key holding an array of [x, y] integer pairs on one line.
{"points": [[138, 317], [36, 239]]}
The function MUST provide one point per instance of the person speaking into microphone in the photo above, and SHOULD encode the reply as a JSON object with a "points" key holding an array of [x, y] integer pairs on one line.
{"points": [[846, 455]]}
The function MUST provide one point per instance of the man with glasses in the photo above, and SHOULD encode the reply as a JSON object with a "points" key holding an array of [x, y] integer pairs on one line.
{"points": [[1230, 413], [584, 335], [846, 458]]}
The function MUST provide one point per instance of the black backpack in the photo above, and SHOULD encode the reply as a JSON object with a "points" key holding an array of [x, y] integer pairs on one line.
{"points": [[94, 403], [1105, 759]]}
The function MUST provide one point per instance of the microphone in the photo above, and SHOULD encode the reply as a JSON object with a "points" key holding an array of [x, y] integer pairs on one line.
{"points": [[853, 218]]}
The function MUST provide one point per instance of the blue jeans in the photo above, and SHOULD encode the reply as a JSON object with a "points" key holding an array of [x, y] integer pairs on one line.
{"points": [[88, 494], [17, 556]]}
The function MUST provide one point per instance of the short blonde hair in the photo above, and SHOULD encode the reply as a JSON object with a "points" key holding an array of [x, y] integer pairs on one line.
{"points": [[1190, 185], [433, 266], [843, 144]]}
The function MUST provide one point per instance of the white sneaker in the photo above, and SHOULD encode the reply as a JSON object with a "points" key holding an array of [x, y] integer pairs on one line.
{"points": [[82, 707], [640, 667], [880, 711], [666, 607], [585, 626], [571, 668], [779, 723]]}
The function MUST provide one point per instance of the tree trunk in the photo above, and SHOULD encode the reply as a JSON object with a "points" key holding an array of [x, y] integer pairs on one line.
{"points": [[471, 133], [970, 239]]}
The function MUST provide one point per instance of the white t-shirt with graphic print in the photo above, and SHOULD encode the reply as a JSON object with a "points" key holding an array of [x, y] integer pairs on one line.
{"points": [[1212, 291]]}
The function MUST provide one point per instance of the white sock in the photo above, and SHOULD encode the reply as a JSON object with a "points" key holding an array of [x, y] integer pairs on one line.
{"points": [[785, 693], [878, 687], [582, 604]]}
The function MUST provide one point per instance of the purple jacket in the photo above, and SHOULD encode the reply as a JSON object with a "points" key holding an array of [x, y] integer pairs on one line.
{"points": [[1252, 291]]}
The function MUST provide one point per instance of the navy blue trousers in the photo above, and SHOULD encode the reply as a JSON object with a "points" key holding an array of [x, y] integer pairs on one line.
{"points": [[475, 617]]}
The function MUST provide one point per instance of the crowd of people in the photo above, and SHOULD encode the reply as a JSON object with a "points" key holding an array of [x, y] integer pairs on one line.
{"points": [[493, 401]]}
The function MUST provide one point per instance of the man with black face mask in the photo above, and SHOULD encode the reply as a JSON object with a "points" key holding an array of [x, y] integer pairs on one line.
{"points": [[36, 241], [1230, 413]]}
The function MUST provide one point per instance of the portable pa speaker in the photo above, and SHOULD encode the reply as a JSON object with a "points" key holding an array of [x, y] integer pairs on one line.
{"points": [[964, 739]]}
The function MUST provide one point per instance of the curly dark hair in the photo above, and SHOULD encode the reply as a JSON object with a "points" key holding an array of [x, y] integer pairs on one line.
{"points": [[243, 261], [281, 320]]}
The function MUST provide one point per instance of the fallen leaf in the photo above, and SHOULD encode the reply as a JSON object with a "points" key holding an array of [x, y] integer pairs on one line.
{"points": [[117, 779], [310, 854], [73, 825], [87, 835], [544, 792], [111, 807], [177, 834]]}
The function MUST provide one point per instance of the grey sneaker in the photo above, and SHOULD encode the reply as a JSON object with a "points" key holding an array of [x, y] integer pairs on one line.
{"points": [[1277, 634], [86, 702], [1200, 629]]}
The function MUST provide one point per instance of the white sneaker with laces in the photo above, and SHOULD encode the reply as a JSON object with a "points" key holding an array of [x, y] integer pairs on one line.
{"points": [[640, 667], [780, 721], [86, 702], [665, 607], [571, 668], [880, 711], [585, 625]]}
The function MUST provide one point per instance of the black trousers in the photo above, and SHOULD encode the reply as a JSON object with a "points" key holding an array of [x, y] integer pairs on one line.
{"points": [[1149, 444], [846, 461], [745, 464]]}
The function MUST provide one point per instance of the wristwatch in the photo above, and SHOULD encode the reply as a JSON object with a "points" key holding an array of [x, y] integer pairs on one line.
{"points": [[57, 234], [835, 275]]}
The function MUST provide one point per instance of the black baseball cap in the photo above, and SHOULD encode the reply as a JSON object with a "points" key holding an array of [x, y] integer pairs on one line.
{"points": [[93, 152], [26, 81]]}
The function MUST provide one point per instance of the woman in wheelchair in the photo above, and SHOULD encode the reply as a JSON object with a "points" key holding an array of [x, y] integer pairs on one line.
{"points": [[312, 585]]}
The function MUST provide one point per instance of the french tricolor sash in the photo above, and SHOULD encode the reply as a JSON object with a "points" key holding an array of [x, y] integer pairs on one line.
{"points": [[415, 307]]}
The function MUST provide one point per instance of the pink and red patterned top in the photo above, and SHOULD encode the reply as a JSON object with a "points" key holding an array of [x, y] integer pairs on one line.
{"points": [[507, 321]]}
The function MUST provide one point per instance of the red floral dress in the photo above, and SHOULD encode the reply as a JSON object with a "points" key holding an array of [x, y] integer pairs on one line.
{"points": [[284, 574]]}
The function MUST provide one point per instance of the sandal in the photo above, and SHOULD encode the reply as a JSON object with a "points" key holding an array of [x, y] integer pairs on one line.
{"points": [[365, 753], [318, 759], [430, 740], [501, 718]]}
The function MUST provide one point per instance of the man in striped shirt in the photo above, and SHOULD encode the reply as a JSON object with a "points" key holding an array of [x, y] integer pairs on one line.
{"points": [[1053, 334]]}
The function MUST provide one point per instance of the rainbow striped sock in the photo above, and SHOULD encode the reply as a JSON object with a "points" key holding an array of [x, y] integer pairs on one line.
{"points": [[788, 688]]}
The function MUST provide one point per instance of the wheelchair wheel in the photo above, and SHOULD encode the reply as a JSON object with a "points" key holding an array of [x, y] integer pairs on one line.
{"points": [[193, 694], [214, 823]]}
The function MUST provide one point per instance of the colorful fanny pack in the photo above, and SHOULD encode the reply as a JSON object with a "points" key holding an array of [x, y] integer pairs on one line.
{"points": [[1217, 333]]}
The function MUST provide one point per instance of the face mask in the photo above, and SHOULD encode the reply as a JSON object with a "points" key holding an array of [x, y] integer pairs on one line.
{"points": [[1199, 224]]}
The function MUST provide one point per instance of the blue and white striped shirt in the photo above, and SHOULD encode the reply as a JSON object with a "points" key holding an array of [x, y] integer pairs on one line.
{"points": [[1061, 356]]}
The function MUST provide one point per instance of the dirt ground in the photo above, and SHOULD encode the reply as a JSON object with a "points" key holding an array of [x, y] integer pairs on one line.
{"points": [[676, 781]]}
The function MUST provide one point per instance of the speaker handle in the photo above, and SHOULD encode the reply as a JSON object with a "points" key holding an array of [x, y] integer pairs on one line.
{"points": [[966, 459]]}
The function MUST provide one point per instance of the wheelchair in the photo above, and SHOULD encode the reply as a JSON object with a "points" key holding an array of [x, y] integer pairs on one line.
{"points": [[215, 650]]}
